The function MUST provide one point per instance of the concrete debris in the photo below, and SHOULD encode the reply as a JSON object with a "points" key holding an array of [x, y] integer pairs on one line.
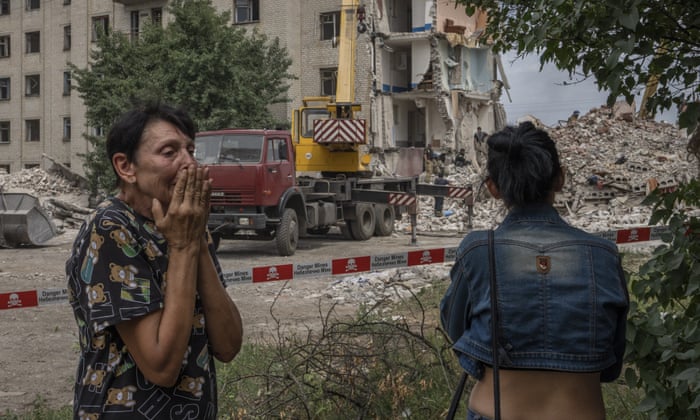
{"points": [[63, 199], [388, 285], [603, 192], [612, 162], [39, 182]]}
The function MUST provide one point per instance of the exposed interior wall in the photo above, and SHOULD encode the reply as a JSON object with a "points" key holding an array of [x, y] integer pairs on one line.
{"points": [[398, 16], [420, 61], [446, 10], [436, 133], [408, 129], [395, 75], [479, 69], [422, 19]]}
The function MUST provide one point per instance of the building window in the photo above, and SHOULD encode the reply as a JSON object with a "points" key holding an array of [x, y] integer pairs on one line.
{"points": [[330, 25], [4, 131], [66, 2], [32, 85], [66, 129], [4, 88], [246, 11], [66, 38], [32, 39], [98, 131], [33, 4], [66, 83], [4, 169], [328, 81], [32, 129], [4, 46], [157, 16], [4, 7], [100, 25], [31, 165], [134, 33]]}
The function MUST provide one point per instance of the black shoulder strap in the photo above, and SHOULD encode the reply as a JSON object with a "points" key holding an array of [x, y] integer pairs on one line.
{"points": [[494, 328], [494, 344]]}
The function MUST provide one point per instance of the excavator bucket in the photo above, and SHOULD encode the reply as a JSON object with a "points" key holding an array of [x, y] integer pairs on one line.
{"points": [[23, 221]]}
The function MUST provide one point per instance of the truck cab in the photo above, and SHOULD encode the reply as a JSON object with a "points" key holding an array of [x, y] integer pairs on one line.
{"points": [[252, 172]]}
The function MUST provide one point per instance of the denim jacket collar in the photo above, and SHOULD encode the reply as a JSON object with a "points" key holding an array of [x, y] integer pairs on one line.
{"points": [[533, 213]]}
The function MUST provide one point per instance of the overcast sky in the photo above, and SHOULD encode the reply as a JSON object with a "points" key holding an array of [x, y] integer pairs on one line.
{"points": [[543, 95]]}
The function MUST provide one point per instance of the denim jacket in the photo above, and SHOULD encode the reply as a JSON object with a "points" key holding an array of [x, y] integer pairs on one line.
{"points": [[561, 294]]}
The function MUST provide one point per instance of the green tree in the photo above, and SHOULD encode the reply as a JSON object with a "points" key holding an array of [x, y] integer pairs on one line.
{"points": [[663, 337], [623, 44], [222, 75]]}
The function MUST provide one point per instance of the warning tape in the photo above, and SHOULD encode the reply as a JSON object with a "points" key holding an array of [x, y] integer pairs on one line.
{"points": [[334, 267]]}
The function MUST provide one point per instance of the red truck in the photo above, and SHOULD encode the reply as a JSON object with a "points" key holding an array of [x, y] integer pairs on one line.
{"points": [[256, 193]]}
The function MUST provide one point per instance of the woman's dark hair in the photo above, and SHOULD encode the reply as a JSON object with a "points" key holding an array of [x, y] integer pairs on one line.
{"points": [[524, 164], [125, 134]]}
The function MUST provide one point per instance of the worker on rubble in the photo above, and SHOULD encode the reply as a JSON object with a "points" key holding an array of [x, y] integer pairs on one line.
{"points": [[536, 308], [147, 350], [480, 145], [461, 159], [440, 163], [439, 200], [428, 156], [479, 136], [573, 117]]}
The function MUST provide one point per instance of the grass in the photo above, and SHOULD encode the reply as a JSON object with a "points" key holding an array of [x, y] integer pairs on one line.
{"points": [[40, 411]]}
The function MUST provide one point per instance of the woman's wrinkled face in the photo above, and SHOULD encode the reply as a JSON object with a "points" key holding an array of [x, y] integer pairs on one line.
{"points": [[162, 152]]}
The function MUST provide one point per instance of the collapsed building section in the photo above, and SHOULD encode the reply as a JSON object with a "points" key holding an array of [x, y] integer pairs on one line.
{"points": [[435, 77]]}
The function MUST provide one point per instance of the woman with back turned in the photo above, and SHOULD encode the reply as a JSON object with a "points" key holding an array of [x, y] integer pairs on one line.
{"points": [[561, 296]]}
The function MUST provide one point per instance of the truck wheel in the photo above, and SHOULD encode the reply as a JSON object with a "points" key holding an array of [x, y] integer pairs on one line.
{"points": [[362, 228], [346, 232], [384, 216], [287, 236]]}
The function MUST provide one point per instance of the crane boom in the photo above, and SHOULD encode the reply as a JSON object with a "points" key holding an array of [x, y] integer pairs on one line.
{"points": [[345, 86]]}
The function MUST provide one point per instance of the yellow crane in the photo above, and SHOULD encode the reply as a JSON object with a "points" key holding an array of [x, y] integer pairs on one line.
{"points": [[649, 91], [326, 133], [652, 85]]}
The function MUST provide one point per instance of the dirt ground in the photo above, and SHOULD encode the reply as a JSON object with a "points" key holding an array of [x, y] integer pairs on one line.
{"points": [[39, 346]]}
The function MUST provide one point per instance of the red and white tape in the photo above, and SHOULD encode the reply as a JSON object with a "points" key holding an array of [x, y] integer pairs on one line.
{"points": [[334, 267]]}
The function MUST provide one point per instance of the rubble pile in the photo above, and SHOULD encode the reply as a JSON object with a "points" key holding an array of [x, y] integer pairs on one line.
{"points": [[385, 286], [611, 165], [627, 158], [63, 199], [38, 182]]}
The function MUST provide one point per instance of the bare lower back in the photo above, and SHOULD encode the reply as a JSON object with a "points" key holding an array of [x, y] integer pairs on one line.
{"points": [[542, 395]]}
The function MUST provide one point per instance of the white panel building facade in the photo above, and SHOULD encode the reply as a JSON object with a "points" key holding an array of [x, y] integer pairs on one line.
{"points": [[423, 74]]}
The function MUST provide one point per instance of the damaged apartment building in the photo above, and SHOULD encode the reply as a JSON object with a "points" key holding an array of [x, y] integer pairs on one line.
{"points": [[437, 80], [423, 73]]}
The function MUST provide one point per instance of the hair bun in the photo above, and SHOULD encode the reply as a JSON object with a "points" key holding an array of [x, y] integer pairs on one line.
{"points": [[516, 148], [524, 164]]}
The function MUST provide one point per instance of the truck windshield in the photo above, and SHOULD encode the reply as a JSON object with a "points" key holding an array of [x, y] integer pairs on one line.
{"points": [[226, 148]]}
